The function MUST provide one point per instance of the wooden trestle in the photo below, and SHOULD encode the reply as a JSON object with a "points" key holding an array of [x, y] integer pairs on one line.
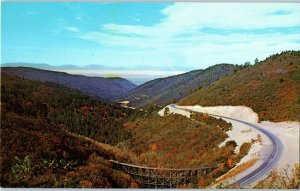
{"points": [[162, 177]]}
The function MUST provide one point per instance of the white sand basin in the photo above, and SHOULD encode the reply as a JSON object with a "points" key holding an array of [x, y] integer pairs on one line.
{"points": [[287, 132], [125, 104]]}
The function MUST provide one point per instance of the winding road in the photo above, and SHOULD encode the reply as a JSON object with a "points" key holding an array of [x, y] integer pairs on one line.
{"points": [[270, 160]]}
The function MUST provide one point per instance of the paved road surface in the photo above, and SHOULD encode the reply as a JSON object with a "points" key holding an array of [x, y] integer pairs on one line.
{"points": [[269, 162]]}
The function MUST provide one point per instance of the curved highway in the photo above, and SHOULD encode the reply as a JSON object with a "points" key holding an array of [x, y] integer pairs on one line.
{"points": [[269, 162]]}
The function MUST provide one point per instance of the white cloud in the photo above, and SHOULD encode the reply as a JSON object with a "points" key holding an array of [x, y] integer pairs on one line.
{"points": [[188, 17], [181, 33], [232, 15], [72, 29]]}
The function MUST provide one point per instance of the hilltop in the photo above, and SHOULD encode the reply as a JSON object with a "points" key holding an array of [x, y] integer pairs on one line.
{"points": [[168, 90], [270, 88], [104, 88]]}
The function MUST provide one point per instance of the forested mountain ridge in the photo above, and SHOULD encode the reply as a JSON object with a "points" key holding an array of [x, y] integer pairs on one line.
{"points": [[270, 88], [164, 91], [38, 148], [78, 113], [104, 88]]}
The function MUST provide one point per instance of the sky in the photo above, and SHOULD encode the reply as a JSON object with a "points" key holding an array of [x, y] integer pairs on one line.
{"points": [[146, 39]]}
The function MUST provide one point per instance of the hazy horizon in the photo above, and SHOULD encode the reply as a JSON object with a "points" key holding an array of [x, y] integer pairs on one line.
{"points": [[137, 77]]}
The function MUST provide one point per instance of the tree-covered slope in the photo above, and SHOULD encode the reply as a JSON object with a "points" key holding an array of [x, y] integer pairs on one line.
{"points": [[175, 141], [35, 153], [270, 87], [40, 141], [78, 113]]}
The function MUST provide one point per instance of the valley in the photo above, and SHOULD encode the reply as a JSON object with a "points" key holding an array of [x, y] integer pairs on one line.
{"points": [[168, 90], [62, 130]]}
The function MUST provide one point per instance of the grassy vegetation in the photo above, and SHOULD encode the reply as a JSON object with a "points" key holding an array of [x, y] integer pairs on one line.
{"points": [[270, 88], [237, 170]]}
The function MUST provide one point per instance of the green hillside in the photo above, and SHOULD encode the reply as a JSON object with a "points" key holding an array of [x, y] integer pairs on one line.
{"points": [[270, 87]]}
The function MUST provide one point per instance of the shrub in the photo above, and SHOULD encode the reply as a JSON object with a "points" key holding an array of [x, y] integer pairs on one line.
{"points": [[244, 149], [284, 178], [22, 170], [166, 111]]}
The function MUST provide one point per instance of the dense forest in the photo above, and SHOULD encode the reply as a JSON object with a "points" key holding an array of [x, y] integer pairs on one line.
{"points": [[74, 111], [35, 153], [40, 145]]}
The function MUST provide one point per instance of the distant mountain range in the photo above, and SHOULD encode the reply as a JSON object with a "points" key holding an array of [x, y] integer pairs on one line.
{"points": [[105, 88], [97, 67], [51, 67], [136, 73], [164, 91]]}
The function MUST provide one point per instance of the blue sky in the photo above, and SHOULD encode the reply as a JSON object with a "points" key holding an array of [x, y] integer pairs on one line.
{"points": [[147, 36]]}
